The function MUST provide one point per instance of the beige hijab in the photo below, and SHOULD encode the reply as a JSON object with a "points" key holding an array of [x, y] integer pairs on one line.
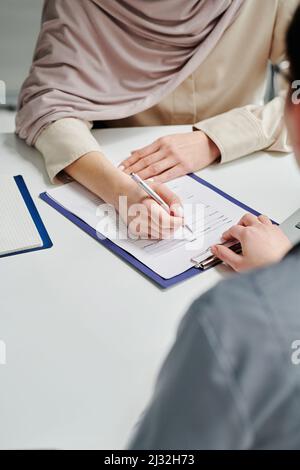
{"points": [[99, 60]]}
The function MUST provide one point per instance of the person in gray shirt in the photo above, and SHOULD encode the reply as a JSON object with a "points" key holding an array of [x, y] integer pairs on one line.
{"points": [[232, 378]]}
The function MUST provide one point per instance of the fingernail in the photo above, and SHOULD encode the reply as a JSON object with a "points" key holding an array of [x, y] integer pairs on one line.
{"points": [[150, 180], [214, 249], [121, 167]]}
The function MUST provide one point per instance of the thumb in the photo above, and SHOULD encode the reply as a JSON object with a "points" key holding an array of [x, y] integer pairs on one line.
{"points": [[227, 256]]}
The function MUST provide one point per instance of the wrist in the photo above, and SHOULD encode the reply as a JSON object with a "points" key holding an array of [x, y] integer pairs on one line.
{"points": [[214, 150], [123, 185], [101, 177]]}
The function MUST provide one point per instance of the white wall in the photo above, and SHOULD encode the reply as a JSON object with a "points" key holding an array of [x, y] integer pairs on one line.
{"points": [[19, 27]]}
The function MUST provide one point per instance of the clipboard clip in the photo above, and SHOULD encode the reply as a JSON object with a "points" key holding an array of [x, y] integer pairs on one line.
{"points": [[204, 263]]}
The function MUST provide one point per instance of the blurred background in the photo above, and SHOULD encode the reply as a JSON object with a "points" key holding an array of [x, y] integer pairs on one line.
{"points": [[19, 28]]}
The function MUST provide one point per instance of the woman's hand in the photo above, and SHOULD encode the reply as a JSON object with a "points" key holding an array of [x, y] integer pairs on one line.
{"points": [[146, 218], [141, 213], [262, 244], [172, 156]]}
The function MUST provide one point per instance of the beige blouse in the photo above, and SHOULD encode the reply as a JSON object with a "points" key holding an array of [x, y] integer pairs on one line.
{"points": [[223, 97]]}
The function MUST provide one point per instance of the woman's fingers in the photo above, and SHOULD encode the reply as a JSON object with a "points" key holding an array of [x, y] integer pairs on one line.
{"points": [[161, 224], [144, 162], [155, 222], [164, 221], [157, 168], [148, 150], [170, 198], [170, 174], [139, 154], [228, 256], [128, 162]]}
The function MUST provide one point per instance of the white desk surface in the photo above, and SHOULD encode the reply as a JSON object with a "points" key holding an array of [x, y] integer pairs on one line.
{"points": [[85, 333]]}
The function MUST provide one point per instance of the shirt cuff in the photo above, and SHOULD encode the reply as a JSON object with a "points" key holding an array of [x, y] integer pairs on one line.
{"points": [[237, 133], [63, 142]]}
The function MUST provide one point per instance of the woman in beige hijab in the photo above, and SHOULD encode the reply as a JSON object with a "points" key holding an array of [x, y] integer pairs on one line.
{"points": [[139, 63]]}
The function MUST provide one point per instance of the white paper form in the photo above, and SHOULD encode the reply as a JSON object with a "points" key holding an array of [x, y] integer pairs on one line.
{"points": [[171, 257]]}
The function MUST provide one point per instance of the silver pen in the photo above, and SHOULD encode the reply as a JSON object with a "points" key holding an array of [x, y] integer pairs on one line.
{"points": [[155, 196]]}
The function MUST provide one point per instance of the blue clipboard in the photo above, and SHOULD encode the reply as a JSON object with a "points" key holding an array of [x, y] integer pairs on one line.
{"points": [[164, 283], [47, 243]]}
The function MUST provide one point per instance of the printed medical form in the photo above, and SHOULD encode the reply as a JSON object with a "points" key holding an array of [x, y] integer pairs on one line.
{"points": [[214, 214]]}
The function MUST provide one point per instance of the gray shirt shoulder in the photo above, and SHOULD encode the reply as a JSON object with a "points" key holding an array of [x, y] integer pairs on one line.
{"points": [[229, 381]]}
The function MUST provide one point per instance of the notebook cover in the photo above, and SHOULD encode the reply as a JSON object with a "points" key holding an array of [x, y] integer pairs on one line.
{"points": [[47, 243]]}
